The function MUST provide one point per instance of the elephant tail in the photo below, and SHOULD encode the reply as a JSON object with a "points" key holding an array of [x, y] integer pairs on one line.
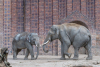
{"points": [[89, 39]]}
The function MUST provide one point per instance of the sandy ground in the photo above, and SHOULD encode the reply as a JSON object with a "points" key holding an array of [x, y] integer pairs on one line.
{"points": [[54, 61]]}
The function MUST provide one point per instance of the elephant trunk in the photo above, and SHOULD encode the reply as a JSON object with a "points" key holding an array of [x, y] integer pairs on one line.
{"points": [[46, 41], [44, 45]]}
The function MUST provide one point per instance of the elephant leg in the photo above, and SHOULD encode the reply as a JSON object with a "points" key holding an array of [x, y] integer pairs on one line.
{"points": [[32, 53], [14, 50], [15, 54], [66, 47], [88, 48], [76, 54], [78, 42], [30, 48], [65, 43], [27, 54], [62, 53]]}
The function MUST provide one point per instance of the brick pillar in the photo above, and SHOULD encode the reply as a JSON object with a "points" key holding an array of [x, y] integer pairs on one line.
{"points": [[76, 5], [97, 18], [7, 24], [69, 7], [20, 18], [90, 9], [83, 7], [34, 16], [97, 15], [14, 17], [55, 22], [41, 24], [1, 23], [62, 9], [48, 20], [27, 15]]}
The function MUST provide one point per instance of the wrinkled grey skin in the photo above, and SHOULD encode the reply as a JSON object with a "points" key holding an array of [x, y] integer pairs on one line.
{"points": [[70, 34], [25, 40]]}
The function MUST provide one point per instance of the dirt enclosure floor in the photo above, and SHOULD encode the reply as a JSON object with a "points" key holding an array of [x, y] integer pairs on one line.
{"points": [[54, 61]]}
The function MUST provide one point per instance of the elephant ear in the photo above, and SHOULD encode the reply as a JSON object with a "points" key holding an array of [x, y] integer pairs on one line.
{"points": [[17, 37], [29, 37], [57, 31], [55, 28]]}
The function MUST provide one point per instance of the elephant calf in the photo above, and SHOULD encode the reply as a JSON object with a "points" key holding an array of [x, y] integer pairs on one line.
{"points": [[25, 40], [70, 34]]}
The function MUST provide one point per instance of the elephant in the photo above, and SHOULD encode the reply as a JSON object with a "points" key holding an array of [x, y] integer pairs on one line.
{"points": [[70, 34], [26, 41]]}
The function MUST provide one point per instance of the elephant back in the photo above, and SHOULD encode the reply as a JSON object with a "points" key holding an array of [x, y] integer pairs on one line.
{"points": [[21, 36]]}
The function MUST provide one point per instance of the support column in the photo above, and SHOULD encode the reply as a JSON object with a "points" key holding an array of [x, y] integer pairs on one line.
{"points": [[1, 22], [41, 23], [7, 25], [48, 20], [55, 22]]}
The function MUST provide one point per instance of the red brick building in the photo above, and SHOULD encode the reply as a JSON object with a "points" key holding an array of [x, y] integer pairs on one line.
{"points": [[39, 15]]}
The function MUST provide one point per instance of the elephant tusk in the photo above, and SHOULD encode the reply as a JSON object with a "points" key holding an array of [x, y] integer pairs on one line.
{"points": [[45, 43]]}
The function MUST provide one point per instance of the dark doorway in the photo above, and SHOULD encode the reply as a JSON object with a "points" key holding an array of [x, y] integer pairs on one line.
{"points": [[79, 22]]}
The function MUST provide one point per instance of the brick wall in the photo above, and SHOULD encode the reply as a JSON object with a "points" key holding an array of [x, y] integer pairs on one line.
{"points": [[40, 15]]}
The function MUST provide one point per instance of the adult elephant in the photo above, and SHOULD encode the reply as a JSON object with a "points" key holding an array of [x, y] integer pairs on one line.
{"points": [[70, 34], [25, 40]]}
